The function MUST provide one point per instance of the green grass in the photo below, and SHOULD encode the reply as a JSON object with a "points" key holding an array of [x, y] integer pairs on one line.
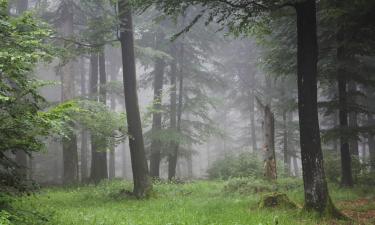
{"points": [[197, 203]]}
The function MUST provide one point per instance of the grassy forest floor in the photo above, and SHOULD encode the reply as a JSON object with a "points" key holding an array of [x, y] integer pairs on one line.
{"points": [[200, 202]]}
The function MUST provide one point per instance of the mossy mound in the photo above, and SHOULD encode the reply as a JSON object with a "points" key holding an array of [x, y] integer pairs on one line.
{"points": [[276, 200]]}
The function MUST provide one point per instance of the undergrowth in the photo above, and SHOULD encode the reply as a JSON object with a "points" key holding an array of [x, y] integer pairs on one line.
{"points": [[194, 203]]}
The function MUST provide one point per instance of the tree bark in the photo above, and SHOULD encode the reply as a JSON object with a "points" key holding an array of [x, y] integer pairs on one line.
{"points": [[315, 185], [70, 153], [176, 125], [141, 178], [346, 161], [156, 144]]}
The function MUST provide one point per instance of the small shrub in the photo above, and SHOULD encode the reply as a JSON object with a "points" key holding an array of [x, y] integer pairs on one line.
{"points": [[242, 165], [248, 186]]}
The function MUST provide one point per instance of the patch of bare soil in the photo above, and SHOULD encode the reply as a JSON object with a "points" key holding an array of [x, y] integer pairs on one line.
{"points": [[362, 211]]}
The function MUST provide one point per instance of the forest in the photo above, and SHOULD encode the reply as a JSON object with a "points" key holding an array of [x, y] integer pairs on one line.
{"points": [[187, 112]]}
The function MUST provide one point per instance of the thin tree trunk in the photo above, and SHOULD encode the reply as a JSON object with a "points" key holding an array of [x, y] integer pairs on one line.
{"points": [[315, 184], [285, 145], [141, 178], [94, 78], [189, 160], [172, 159], [123, 160], [371, 143], [156, 144], [84, 136], [346, 161], [252, 121], [70, 153], [353, 123], [112, 152], [99, 169]]}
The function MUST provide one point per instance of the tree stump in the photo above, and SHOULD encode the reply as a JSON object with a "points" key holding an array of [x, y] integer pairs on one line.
{"points": [[276, 200]]}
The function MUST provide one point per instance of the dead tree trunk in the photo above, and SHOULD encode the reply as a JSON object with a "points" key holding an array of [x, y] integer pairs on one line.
{"points": [[269, 144], [268, 126], [141, 178]]}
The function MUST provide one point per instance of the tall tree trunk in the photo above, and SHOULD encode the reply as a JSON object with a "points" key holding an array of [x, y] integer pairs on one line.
{"points": [[346, 170], [141, 178], [70, 153], [268, 125], [99, 170], [353, 123], [84, 135], [156, 144], [370, 122], [112, 152], [346, 161], [252, 120], [176, 125], [285, 145], [315, 184]]}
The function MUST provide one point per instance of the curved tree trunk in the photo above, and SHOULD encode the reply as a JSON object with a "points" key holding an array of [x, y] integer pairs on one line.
{"points": [[141, 178]]}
